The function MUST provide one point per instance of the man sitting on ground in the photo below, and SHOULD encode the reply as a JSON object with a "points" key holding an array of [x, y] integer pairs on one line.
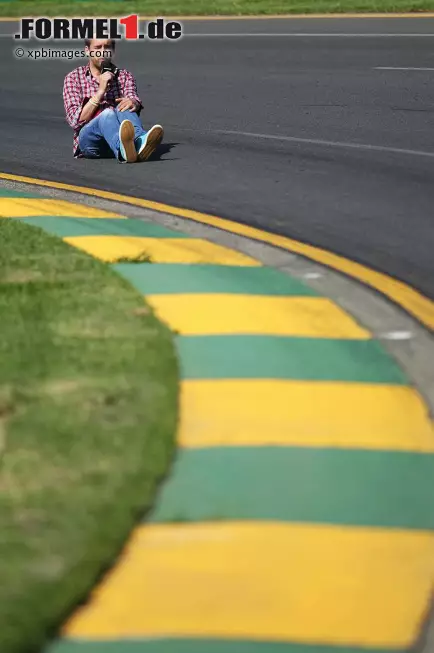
{"points": [[103, 109]]}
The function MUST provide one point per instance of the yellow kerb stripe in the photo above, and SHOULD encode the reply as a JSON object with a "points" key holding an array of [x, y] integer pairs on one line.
{"points": [[206, 314], [160, 250], [309, 414], [308, 583], [25, 207]]}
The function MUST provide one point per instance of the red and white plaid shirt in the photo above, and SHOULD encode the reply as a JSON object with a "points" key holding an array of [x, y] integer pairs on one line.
{"points": [[80, 85]]}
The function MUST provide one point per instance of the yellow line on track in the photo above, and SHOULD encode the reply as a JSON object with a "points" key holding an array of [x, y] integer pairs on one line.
{"points": [[419, 306], [253, 412]]}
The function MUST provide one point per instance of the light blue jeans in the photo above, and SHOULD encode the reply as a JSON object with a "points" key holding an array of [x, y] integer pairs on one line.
{"points": [[99, 138]]}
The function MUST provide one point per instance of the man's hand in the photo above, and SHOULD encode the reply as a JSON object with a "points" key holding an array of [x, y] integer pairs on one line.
{"points": [[104, 80], [126, 104]]}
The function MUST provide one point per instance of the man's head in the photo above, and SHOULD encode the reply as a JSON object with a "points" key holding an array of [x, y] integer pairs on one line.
{"points": [[99, 49]]}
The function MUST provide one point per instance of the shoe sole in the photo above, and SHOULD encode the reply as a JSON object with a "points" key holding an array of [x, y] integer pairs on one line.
{"points": [[155, 136], [126, 136]]}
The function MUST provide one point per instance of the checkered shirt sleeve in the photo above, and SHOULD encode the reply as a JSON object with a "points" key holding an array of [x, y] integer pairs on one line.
{"points": [[129, 88], [73, 99]]}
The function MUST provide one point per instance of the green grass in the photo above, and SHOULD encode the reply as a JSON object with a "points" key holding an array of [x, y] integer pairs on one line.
{"points": [[88, 409], [171, 8]]}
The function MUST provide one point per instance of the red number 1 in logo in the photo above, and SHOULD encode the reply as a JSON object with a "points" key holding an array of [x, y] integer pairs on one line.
{"points": [[131, 26]]}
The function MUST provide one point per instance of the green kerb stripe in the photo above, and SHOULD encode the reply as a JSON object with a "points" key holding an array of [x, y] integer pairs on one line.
{"points": [[279, 357], [6, 192], [202, 646], [70, 227], [174, 278], [332, 486]]}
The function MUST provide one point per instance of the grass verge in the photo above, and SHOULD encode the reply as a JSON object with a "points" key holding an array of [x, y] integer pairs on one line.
{"points": [[88, 409], [204, 7]]}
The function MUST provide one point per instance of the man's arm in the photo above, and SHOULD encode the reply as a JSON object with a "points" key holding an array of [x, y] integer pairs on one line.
{"points": [[92, 105], [72, 100], [78, 115], [130, 99]]}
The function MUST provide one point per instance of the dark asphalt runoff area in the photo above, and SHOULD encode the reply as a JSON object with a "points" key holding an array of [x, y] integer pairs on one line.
{"points": [[318, 129]]}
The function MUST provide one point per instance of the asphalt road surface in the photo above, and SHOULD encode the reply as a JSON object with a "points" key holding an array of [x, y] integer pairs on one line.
{"points": [[319, 129]]}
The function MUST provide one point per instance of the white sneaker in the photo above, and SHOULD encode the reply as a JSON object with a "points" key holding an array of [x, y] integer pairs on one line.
{"points": [[126, 141], [148, 143]]}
